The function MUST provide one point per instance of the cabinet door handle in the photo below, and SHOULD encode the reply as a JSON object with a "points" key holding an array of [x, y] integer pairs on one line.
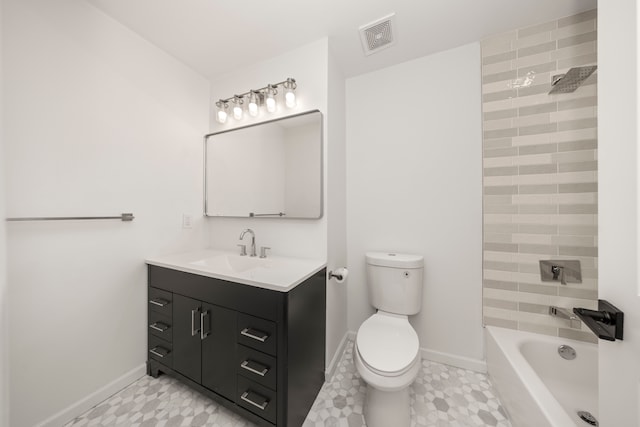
{"points": [[245, 365], [251, 333], [158, 326], [203, 334], [159, 302], [261, 406], [157, 353], [194, 331]]}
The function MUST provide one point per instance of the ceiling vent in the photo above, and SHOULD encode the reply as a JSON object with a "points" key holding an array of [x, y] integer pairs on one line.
{"points": [[378, 35]]}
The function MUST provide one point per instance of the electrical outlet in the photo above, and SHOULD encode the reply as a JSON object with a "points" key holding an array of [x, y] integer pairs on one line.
{"points": [[187, 221]]}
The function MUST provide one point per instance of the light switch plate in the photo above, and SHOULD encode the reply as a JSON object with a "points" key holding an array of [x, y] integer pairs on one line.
{"points": [[187, 221]]}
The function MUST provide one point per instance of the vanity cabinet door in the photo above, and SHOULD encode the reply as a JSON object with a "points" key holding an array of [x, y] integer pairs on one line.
{"points": [[186, 337], [219, 349]]}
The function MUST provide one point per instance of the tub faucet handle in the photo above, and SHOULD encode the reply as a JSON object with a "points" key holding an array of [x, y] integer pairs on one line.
{"points": [[558, 272]]}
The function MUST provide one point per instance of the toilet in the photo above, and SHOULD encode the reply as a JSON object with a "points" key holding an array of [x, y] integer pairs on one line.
{"points": [[387, 349]]}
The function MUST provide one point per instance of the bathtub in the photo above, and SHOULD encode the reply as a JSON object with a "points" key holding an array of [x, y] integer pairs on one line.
{"points": [[535, 385]]}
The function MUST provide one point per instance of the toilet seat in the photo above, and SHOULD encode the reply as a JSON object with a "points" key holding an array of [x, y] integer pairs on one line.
{"points": [[387, 344]]}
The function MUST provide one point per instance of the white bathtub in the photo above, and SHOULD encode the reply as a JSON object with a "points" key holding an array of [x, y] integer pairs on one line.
{"points": [[537, 387]]}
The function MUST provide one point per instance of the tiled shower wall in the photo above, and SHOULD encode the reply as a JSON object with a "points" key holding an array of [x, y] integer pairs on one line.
{"points": [[540, 174]]}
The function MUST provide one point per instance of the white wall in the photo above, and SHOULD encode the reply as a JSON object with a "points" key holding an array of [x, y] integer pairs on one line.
{"points": [[619, 209], [4, 305], [97, 122], [308, 65], [414, 185], [336, 205]]}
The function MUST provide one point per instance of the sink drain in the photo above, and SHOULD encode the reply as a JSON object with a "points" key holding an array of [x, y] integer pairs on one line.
{"points": [[588, 418], [567, 352]]}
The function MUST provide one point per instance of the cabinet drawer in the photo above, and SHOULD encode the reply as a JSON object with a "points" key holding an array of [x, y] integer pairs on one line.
{"points": [[257, 333], [160, 326], [257, 399], [257, 366], [160, 350], [160, 301]]}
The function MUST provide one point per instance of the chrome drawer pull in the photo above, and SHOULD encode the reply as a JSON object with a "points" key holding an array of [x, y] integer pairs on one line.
{"points": [[154, 351], [160, 327], [194, 331], [246, 332], [245, 365], [203, 334], [159, 302], [261, 406]]}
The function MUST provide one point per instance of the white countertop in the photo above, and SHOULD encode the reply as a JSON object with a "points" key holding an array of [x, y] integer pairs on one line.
{"points": [[274, 272]]}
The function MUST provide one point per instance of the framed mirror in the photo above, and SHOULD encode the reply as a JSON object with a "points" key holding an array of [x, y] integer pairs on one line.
{"points": [[266, 170]]}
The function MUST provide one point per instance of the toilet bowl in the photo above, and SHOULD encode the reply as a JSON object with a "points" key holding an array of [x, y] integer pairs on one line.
{"points": [[387, 349], [387, 357]]}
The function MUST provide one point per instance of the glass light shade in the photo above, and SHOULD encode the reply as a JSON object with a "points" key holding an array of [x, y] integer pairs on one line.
{"points": [[237, 108], [237, 112], [290, 98], [221, 114], [270, 100], [253, 104]]}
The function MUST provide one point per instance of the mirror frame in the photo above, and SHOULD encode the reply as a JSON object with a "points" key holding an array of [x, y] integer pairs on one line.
{"points": [[206, 137]]}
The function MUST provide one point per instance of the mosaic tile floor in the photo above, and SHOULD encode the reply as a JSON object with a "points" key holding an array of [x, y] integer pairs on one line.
{"points": [[441, 396]]}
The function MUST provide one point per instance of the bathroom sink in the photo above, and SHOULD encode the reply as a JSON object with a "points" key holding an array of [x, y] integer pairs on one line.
{"points": [[275, 272], [230, 263]]}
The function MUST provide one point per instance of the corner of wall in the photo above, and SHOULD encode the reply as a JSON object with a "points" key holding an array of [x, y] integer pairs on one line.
{"points": [[4, 287]]}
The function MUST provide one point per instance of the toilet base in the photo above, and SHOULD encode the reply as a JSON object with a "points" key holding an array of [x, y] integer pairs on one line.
{"points": [[387, 408]]}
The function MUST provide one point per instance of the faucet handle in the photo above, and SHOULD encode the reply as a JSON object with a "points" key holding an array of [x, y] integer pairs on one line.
{"points": [[243, 249], [263, 251]]}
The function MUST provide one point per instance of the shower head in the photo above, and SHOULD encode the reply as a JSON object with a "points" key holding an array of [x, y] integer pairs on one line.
{"points": [[569, 82]]}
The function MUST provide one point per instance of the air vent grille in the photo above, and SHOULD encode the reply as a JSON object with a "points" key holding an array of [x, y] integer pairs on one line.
{"points": [[377, 35]]}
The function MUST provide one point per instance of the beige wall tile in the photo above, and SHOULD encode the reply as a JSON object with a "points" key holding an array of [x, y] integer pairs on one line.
{"points": [[528, 32], [589, 59], [492, 321], [581, 17], [538, 329], [496, 105], [572, 334], [536, 159], [540, 158], [570, 52]]}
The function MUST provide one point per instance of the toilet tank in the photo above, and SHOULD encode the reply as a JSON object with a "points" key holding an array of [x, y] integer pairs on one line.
{"points": [[395, 281]]}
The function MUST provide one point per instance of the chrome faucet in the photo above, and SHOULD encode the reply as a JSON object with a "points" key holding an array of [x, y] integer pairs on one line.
{"points": [[565, 313], [253, 240]]}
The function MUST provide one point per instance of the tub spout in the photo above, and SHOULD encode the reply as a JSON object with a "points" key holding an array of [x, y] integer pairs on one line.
{"points": [[564, 313]]}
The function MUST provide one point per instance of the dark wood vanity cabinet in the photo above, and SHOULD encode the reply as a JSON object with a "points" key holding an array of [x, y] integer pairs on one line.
{"points": [[256, 351]]}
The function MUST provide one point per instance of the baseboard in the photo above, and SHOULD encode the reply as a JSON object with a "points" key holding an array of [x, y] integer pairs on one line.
{"points": [[83, 405], [333, 365], [455, 360]]}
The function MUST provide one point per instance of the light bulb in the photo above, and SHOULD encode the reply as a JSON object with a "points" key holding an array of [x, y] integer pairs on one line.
{"points": [[237, 108], [221, 114], [270, 99], [290, 93], [290, 98], [271, 104], [253, 104]]}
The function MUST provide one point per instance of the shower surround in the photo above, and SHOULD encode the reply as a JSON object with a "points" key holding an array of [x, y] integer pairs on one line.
{"points": [[540, 174]]}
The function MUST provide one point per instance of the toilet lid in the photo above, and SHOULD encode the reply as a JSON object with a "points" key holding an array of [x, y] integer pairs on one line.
{"points": [[387, 343]]}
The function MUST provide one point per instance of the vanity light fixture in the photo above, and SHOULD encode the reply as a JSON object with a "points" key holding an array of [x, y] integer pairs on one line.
{"points": [[255, 98]]}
